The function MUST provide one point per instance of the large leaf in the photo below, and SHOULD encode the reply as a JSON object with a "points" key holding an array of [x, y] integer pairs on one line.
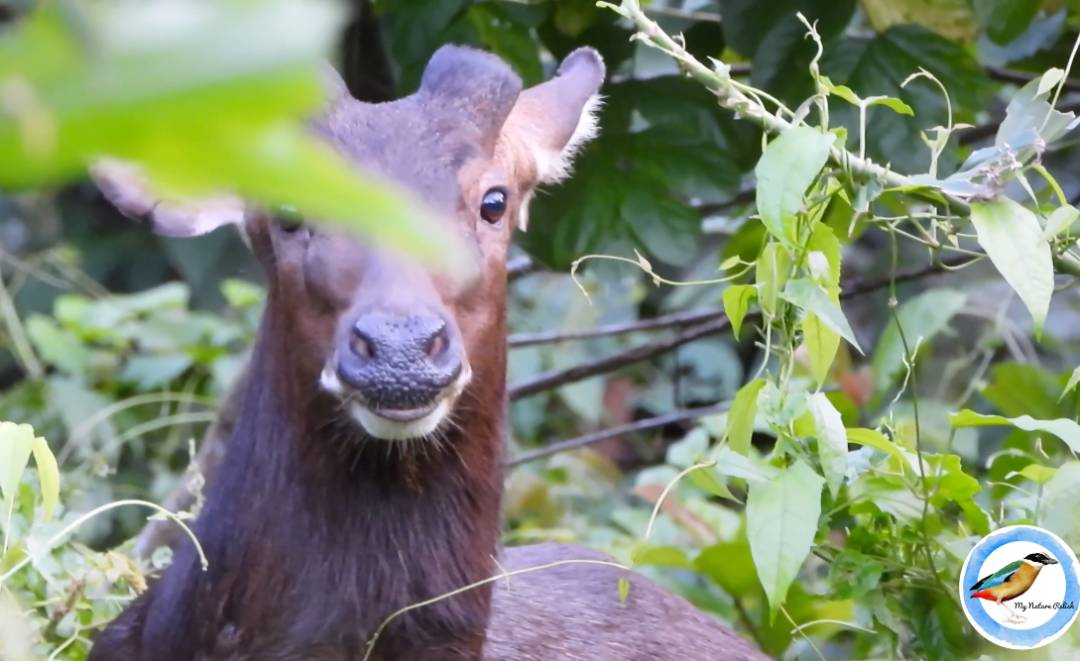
{"points": [[206, 96], [789, 165], [877, 65], [921, 317], [951, 19], [1005, 20], [1064, 428], [1061, 502], [809, 296], [781, 520], [1012, 237], [831, 440]]}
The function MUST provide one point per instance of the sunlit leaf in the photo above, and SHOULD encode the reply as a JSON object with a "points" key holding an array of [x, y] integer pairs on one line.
{"points": [[808, 296], [781, 520], [1037, 473], [16, 444], [1013, 239], [1074, 378], [741, 416], [737, 299], [48, 477], [1060, 220], [1064, 428], [789, 165], [874, 439], [831, 440], [660, 556], [1061, 502]]}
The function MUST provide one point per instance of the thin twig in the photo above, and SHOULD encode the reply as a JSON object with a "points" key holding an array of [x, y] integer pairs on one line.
{"points": [[613, 432], [676, 319]]}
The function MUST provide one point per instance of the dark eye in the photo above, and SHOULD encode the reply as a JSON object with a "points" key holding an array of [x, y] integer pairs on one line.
{"points": [[493, 205]]}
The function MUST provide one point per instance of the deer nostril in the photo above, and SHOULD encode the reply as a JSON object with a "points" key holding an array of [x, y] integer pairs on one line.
{"points": [[437, 344], [361, 344]]}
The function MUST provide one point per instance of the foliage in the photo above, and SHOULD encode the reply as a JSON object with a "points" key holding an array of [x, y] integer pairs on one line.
{"points": [[869, 440]]}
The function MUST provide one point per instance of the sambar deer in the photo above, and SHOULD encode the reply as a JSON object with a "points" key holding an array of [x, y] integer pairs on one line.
{"points": [[365, 470]]}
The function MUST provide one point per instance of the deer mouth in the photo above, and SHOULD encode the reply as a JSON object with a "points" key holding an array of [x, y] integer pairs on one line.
{"points": [[396, 424]]}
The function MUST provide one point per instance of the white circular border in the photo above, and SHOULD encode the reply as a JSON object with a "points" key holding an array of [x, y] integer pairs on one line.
{"points": [[963, 592]]}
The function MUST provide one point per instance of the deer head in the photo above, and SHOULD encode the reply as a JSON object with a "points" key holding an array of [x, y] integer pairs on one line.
{"points": [[395, 342]]}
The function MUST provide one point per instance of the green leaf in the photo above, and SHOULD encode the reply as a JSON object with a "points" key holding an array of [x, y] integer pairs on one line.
{"points": [[241, 293], [822, 343], [48, 476], [737, 300], [1065, 429], [57, 346], [874, 439], [708, 481], [831, 440], [892, 103], [781, 520], [213, 102], [921, 317], [1005, 20], [1060, 220], [771, 272], [624, 589], [808, 296], [1037, 473], [660, 556], [1012, 238], [151, 372], [1061, 502], [789, 165], [741, 416], [752, 469], [1074, 378], [16, 444]]}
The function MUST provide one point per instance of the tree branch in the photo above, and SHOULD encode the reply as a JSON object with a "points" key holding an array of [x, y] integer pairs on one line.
{"points": [[713, 322], [612, 432]]}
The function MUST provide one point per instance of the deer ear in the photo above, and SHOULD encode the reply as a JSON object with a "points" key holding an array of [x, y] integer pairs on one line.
{"points": [[127, 188], [558, 117]]}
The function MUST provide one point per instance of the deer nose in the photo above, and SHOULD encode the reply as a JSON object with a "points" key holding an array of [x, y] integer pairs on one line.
{"points": [[400, 362]]}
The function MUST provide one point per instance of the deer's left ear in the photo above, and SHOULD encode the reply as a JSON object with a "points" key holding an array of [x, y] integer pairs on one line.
{"points": [[126, 187], [556, 118]]}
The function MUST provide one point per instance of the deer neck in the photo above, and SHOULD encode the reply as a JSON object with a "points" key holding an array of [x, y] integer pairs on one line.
{"points": [[309, 512]]}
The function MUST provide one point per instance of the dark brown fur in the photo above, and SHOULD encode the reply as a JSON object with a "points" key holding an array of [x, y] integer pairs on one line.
{"points": [[315, 532]]}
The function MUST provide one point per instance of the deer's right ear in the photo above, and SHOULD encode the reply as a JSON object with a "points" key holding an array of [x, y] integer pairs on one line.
{"points": [[126, 187], [556, 118]]}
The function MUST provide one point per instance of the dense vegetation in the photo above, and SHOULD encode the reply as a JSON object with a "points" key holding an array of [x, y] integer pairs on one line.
{"points": [[804, 316]]}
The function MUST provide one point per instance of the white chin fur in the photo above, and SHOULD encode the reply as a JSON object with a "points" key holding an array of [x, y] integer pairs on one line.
{"points": [[391, 430]]}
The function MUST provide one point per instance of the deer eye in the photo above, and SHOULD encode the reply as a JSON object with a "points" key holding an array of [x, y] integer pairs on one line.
{"points": [[493, 206]]}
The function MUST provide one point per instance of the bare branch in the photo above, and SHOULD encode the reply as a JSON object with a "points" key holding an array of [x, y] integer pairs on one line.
{"points": [[612, 432], [713, 325]]}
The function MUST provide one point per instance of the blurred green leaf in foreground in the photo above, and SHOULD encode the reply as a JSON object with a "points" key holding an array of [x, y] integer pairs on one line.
{"points": [[206, 96]]}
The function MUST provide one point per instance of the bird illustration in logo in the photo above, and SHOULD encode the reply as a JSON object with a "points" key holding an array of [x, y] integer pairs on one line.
{"points": [[1011, 581]]}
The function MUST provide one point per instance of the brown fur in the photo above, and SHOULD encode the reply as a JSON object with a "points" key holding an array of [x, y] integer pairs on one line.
{"points": [[316, 532]]}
